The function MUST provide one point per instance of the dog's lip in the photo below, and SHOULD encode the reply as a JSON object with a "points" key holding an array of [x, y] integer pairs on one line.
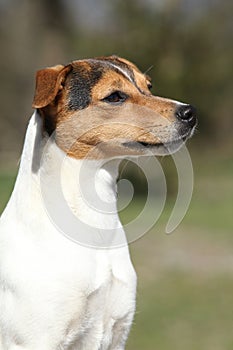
{"points": [[141, 145], [181, 139], [148, 145]]}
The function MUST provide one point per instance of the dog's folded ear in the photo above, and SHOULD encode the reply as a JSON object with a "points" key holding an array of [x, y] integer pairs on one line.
{"points": [[49, 82]]}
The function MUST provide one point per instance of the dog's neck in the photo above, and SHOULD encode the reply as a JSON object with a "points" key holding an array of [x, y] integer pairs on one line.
{"points": [[69, 192]]}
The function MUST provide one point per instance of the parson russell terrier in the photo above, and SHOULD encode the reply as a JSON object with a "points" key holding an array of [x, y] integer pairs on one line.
{"points": [[57, 294]]}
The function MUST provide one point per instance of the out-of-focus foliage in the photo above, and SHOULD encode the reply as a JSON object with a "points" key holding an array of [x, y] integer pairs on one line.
{"points": [[191, 53]]}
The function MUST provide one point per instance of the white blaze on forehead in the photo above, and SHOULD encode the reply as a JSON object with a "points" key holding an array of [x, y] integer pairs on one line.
{"points": [[122, 71]]}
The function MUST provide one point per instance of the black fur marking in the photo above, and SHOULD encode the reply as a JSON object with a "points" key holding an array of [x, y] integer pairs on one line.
{"points": [[86, 75], [81, 84]]}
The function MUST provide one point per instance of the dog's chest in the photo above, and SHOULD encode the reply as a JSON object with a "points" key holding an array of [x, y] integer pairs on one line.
{"points": [[86, 291], [112, 302]]}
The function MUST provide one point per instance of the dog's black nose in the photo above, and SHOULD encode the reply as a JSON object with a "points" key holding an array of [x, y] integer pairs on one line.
{"points": [[187, 114]]}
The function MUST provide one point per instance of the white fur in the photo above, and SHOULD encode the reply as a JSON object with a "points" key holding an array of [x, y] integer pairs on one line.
{"points": [[122, 71], [56, 294]]}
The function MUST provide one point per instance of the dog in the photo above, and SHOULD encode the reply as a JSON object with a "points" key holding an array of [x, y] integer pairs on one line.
{"points": [[59, 291]]}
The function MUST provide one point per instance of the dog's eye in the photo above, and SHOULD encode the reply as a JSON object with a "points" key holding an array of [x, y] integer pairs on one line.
{"points": [[116, 97], [149, 85]]}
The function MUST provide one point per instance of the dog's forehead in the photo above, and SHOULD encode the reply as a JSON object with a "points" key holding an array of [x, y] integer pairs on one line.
{"points": [[95, 68]]}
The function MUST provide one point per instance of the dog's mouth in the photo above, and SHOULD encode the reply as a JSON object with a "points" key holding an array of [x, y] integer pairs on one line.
{"points": [[158, 148], [141, 145]]}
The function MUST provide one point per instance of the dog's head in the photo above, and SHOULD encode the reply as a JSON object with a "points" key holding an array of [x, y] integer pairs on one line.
{"points": [[105, 104]]}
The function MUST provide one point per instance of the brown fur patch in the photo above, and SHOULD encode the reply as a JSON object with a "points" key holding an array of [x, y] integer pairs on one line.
{"points": [[48, 83]]}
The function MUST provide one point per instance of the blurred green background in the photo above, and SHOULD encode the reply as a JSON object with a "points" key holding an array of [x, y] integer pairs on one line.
{"points": [[185, 280]]}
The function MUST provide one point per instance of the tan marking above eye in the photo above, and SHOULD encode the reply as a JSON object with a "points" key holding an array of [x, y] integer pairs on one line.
{"points": [[110, 83]]}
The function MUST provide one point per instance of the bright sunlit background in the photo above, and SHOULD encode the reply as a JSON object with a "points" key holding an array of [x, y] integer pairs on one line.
{"points": [[185, 288]]}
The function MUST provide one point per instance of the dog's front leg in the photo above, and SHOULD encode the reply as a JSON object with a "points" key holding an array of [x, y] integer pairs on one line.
{"points": [[121, 331]]}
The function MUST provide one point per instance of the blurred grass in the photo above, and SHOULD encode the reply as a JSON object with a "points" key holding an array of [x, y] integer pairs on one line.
{"points": [[185, 280], [6, 185]]}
